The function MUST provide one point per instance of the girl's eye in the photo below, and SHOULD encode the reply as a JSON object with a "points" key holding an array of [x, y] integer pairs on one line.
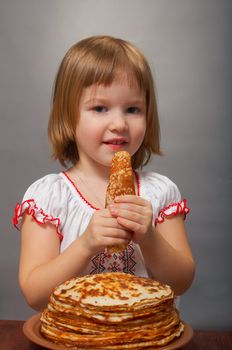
{"points": [[133, 110], [100, 109]]}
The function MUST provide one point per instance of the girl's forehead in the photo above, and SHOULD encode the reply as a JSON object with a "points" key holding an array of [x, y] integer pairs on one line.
{"points": [[118, 87], [121, 76], [124, 79]]}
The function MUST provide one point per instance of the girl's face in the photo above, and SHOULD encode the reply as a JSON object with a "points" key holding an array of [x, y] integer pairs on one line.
{"points": [[111, 118]]}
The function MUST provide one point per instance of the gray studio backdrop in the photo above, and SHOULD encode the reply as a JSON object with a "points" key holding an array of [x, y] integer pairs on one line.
{"points": [[188, 44]]}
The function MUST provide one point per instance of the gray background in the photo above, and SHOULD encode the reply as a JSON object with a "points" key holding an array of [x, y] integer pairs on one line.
{"points": [[188, 44]]}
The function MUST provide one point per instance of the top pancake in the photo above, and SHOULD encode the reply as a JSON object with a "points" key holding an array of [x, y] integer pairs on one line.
{"points": [[113, 291]]}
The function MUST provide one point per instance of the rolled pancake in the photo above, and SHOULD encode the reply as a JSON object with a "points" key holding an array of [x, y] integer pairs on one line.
{"points": [[121, 182]]}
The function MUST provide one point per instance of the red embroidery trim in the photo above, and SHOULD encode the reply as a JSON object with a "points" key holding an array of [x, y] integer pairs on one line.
{"points": [[86, 201], [30, 208], [80, 194], [177, 209]]}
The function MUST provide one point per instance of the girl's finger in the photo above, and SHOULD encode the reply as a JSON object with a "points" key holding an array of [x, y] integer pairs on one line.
{"points": [[129, 225], [118, 233], [127, 214], [129, 210], [115, 207], [131, 199]]}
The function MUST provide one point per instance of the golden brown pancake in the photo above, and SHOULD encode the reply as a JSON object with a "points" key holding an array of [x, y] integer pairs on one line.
{"points": [[121, 182]]}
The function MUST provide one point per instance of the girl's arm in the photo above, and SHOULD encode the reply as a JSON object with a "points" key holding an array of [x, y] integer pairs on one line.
{"points": [[165, 248], [168, 256], [42, 267]]}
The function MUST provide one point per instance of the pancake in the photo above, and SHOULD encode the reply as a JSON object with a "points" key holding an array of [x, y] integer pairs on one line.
{"points": [[121, 182], [120, 340], [111, 311]]}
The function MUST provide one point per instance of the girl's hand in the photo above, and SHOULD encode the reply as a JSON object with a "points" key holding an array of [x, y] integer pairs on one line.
{"points": [[134, 214], [104, 230]]}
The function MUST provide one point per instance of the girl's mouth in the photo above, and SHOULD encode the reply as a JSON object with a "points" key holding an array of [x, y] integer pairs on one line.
{"points": [[116, 144]]}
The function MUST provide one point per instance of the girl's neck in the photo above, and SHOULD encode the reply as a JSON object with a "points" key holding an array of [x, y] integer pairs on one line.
{"points": [[91, 182], [91, 171]]}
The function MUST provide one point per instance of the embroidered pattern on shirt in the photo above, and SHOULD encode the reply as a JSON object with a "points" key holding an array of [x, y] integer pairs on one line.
{"points": [[116, 262]]}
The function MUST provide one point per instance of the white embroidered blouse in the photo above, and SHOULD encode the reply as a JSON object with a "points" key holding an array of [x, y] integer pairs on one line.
{"points": [[55, 199]]}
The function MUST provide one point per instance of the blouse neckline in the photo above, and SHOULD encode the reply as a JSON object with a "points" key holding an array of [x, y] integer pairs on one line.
{"points": [[137, 179]]}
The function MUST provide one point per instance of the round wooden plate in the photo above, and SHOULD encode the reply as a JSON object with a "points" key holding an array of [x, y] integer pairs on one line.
{"points": [[31, 329]]}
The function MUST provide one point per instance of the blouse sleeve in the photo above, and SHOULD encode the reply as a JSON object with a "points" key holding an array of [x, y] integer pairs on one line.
{"points": [[171, 203], [165, 197], [45, 202]]}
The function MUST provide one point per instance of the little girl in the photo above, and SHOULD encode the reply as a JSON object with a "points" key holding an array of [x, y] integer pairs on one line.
{"points": [[103, 102]]}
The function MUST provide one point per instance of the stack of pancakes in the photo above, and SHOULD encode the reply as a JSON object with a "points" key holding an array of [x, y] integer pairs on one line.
{"points": [[111, 311]]}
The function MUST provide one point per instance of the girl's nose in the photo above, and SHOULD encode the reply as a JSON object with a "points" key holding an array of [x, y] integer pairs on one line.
{"points": [[118, 122]]}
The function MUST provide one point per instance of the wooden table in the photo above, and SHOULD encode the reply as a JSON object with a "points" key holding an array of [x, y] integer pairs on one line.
{"points": [[12, 338]]}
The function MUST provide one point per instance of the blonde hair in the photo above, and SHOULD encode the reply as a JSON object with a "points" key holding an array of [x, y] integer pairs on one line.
{"points": [[97, 60]]}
